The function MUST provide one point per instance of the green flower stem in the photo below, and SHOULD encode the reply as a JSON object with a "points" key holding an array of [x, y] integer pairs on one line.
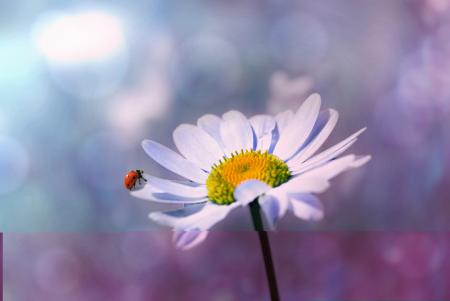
{"points": [[265, 248]]}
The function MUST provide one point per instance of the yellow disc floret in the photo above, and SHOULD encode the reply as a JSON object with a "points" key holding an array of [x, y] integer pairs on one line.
{"points": [[239, 167]]}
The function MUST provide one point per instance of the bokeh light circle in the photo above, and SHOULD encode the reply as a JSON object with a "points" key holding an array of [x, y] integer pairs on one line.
{"points": [[86, 50], [78, 36]]}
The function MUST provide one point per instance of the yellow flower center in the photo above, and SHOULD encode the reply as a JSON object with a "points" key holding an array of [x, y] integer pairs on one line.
{"points": [[246, 165]]}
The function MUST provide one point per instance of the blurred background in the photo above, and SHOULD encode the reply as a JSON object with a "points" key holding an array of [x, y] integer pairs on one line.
{"points": [[82, 83], [131, 266]]}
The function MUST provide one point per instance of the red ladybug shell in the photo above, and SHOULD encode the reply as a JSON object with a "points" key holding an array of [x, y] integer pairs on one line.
{"points": [[131, 178]]}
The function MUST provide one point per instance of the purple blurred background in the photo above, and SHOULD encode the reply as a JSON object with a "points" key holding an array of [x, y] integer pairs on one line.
{"points": [[83, 82], [227, 267]]}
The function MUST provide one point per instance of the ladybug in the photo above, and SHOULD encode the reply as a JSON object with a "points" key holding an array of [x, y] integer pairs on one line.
{"points": [[132, 177]]}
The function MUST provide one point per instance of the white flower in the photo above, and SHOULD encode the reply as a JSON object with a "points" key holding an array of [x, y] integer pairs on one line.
{"points": [[230, 161]]}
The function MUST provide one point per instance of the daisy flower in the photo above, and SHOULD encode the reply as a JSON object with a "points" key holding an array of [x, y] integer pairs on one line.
{"points": [[231, 161]]}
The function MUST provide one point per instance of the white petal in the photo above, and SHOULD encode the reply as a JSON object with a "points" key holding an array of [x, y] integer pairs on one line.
{"points": [[360, 161], [186, 190], [197, 146], [323, 133], [249, 190], [174, 162], [236, 132], [271, 208], [296, 185], [330, 169], [326, 155], [185, 240], [283, 119], [306, 206], [264, 143], [148, 193], [211, 124], [302, 184], [166, 197], [263, 126], [280, 195], [170, 218], [299, 128], [189, 219]]}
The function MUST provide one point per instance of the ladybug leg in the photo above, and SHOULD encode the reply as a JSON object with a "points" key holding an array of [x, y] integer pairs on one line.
{"points": [[143, 179]]}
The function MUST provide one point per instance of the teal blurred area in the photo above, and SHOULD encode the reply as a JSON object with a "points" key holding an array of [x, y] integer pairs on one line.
{"points": [[82, 83]]}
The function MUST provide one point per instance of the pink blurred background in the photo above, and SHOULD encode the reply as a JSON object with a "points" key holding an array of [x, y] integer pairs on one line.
{"points": [[228, 266]]}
